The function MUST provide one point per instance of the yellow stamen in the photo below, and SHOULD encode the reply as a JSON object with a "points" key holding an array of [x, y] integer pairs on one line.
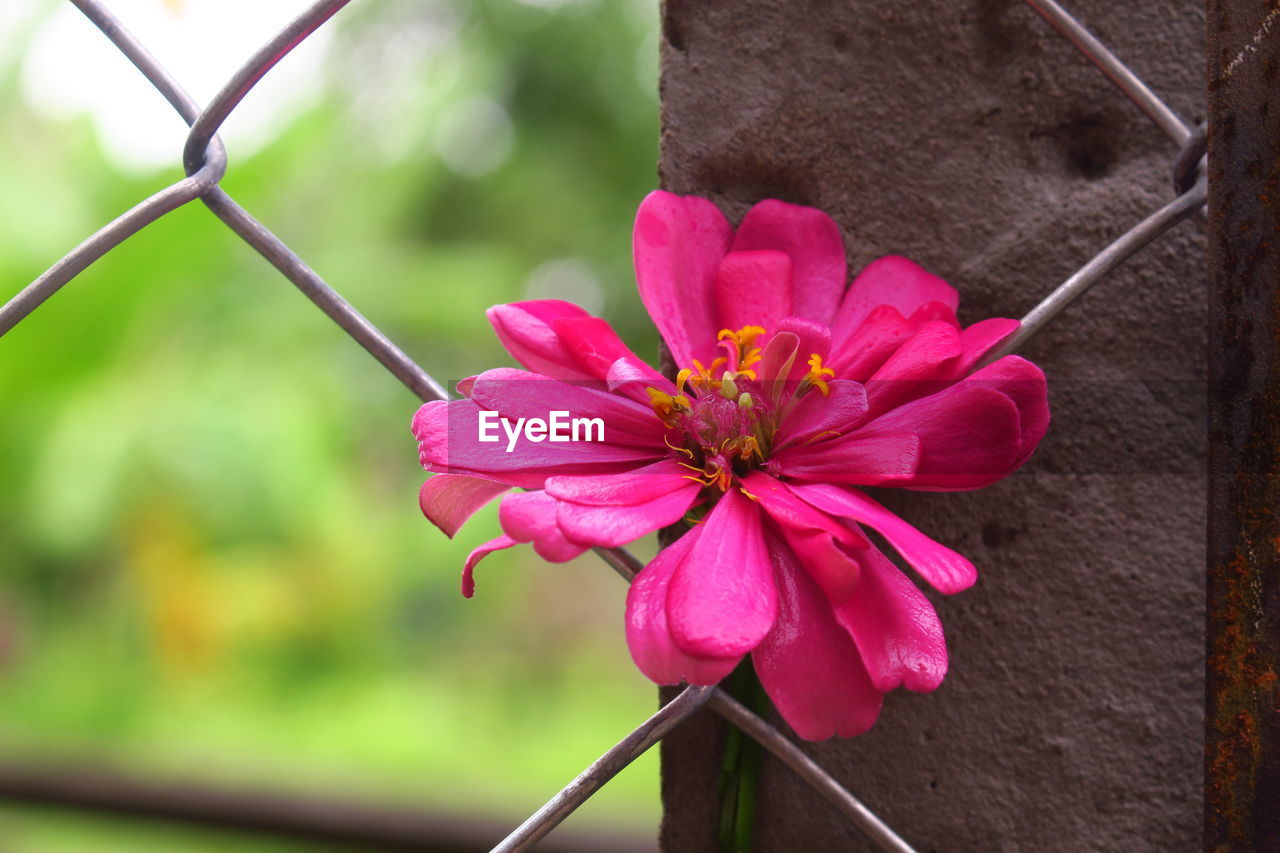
{"points": [[677, 449], [748, 494], [816, 374], [681, 378]]}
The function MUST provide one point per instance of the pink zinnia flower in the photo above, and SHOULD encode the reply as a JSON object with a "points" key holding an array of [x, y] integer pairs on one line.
{"points": [[793, 393]]}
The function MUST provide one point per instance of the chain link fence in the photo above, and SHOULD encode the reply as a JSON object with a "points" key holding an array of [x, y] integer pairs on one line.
{"points": [[204, 161]]}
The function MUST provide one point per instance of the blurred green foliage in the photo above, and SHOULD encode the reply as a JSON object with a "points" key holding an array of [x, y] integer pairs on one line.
{"points": [[212, 563]]}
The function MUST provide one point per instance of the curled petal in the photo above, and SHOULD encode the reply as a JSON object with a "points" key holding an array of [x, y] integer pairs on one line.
{"points": [[648, 634], [722, 599], [809, 664], [448, 500], [468, 571]]}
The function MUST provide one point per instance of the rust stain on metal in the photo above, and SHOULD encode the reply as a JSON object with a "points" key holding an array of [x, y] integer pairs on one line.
{"points": [[1242, 719]]}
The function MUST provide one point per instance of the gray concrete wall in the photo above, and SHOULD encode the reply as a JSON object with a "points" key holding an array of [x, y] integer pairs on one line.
{"points": [[970, 137]]}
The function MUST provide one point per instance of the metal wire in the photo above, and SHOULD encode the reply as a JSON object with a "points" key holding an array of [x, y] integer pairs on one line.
{"points": [[205, 161], [1097, 268], [1117, 72], [605, 768]]}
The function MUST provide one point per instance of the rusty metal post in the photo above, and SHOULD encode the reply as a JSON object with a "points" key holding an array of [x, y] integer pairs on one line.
{"points": [[1242, 726]]}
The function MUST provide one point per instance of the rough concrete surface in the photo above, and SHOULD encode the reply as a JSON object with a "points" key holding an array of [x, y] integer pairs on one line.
{"points": [[969, 136]]}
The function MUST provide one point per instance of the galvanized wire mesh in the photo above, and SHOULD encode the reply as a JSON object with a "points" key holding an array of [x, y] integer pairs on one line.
{"points": [[205, 163]]}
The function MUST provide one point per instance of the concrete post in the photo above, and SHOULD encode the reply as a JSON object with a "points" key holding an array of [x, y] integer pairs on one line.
{"points": [[972, 138]]}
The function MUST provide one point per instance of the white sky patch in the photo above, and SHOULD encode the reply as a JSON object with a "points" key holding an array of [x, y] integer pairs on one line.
{"points": [[70, 68]]}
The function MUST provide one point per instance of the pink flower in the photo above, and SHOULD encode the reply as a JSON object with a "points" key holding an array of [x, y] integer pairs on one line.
{"points": [[793, 393]]}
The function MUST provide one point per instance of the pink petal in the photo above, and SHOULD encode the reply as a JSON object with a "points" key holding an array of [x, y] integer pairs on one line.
{"points": [[648, 636], [722, 599], [777, 362], [678, 244], [814, 339], [922, 365], [812, 240], [628, 488], [611, 526], [859, 459], [942, 568], [934, 312], [896, 629], [809, 664], [448, 435], [591, 344], [448, 500], [839, 412], [519, 394], [525, 329], [891, 280], [823, 546], [631, 378], [1024, 384], [531, 517], [970, 436], [980, 338], [468, 571], [753, 289], [859, 354]]}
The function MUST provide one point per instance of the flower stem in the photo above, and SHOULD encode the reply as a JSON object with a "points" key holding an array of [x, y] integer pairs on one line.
{"points": [[740, 771]]}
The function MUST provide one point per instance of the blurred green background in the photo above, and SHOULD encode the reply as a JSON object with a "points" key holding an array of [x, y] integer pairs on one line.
{"points": [[212, 563]]}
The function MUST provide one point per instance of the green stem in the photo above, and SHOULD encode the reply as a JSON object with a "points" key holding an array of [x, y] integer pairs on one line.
{"points": [[740, 770]]}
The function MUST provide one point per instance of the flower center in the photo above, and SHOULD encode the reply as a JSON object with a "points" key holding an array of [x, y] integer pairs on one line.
{"points": [[723, 417]]}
